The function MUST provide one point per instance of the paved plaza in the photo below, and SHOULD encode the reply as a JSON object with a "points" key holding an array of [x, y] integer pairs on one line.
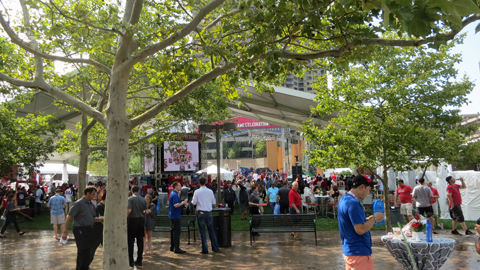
{"points": [[38, 250]]}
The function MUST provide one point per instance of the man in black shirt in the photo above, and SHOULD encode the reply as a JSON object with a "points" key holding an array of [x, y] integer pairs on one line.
{"points": [[283, 198], [229, 196], [137, 206], [83, 213]]}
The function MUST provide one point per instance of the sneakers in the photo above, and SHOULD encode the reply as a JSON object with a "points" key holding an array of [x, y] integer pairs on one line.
{"points": [[456, 232], [468, 232]]}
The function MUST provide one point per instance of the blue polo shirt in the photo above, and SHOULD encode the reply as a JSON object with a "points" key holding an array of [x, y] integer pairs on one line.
{"points": [[272, 194], [350, 213], [174, 213], [56, 202]]}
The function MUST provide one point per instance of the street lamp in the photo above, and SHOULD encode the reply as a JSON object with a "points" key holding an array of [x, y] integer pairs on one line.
{"points": [[217, 128]]}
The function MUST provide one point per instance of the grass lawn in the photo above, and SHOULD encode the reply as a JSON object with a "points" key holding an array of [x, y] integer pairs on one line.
{"points": [[42, 222]]}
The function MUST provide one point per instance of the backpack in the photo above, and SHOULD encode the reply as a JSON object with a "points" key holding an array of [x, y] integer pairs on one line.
{"points": [[41, 196]]}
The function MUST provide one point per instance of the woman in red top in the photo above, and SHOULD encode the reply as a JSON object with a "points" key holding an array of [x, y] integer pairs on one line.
{"points": [[295, 204]]}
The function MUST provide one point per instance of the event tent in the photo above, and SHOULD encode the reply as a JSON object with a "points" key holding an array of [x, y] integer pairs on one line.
{"points": [[212, 170]]}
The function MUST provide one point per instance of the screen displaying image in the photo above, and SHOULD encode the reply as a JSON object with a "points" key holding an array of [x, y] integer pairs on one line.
{"points": [[181, 156]]}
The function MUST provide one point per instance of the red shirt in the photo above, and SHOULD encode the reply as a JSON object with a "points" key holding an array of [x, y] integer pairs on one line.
{"points": [[435, 193], [294, 197], [405, 194], [456, 197]]}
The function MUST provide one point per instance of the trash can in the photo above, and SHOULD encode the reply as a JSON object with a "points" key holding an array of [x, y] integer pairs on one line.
{"points": [[223, 229], [395, 216]]}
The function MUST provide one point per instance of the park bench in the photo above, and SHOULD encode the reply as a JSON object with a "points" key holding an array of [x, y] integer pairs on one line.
{"points": [[282, 223], [187, 224]]}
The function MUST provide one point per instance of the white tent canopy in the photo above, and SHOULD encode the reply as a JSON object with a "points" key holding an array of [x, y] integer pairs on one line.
{"points": [[212, 170], [58, 168]]}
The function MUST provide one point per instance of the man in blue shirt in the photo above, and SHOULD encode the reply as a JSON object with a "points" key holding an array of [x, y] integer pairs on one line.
{"points": [[272, 193], [57, 214], [355, 227], [175, 213]]}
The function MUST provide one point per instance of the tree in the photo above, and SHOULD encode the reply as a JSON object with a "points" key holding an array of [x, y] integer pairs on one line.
{"points": [[160, 45], [25, 141], [392, 112], [260, 149]]}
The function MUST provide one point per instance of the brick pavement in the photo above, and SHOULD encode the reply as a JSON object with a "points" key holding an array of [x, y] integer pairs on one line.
{"points": [[38, 250]]}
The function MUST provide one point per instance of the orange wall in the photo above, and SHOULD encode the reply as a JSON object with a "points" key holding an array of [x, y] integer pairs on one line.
{"points": [[272, 159], [280, 158], [297, 149]]}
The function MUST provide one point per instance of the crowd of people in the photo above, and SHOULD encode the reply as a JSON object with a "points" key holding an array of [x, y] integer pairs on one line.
{"points": [[250, 192]]}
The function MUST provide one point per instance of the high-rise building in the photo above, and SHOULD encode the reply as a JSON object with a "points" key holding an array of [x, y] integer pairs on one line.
{"points": [[304, 83]]}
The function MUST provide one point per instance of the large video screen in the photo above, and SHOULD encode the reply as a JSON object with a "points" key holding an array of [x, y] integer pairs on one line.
{"points": [[181, 156]]}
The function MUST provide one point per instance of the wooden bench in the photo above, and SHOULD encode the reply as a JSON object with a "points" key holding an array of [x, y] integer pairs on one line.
{"points": [[282, 223], [187, 224]]}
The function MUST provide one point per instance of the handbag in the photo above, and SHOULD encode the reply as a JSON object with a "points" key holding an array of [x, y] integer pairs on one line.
{"points": [[276, 210]]}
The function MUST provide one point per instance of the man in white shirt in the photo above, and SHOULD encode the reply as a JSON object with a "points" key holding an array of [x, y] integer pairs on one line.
{"points": [[204, 199], [255, 176], [38, 200]]}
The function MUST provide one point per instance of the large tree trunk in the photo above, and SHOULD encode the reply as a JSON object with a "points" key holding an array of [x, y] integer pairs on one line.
{"points": [[115, 254], [84, 152], [386, 200]]}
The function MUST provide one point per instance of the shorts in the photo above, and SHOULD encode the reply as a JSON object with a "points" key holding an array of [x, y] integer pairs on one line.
{"points": [[457, 214], [60, 219], [358, 262], [406, 209], [435, 208], [425, 211]]}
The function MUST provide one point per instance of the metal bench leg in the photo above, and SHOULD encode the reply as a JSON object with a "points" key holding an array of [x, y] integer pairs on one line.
{"points": [[188, 237]]}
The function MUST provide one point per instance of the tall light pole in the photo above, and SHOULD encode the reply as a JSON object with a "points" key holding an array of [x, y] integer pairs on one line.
{"points": [[217, 128]]}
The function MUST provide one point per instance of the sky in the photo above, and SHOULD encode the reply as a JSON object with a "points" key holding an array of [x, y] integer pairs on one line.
{"points": [[470, 50]]}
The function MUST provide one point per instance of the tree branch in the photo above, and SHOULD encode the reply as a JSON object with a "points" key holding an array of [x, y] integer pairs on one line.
{"points": [[57, 93], [210, 25], [16, 40], [85, 22], [153, 134], [181, 94], [177, 35], [376, 41], [104, 148], [184, 9]]}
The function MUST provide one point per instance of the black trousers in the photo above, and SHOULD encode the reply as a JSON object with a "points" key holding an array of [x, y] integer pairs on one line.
{"points": [[284, 208], [175, 231], [84, 238], [10, 218], [230, 205], [38, 208], [98, 231], [136, 231]]}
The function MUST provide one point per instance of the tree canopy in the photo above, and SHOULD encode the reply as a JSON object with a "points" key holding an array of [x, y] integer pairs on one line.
{"points": [[25, 141], [395, 109]]}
